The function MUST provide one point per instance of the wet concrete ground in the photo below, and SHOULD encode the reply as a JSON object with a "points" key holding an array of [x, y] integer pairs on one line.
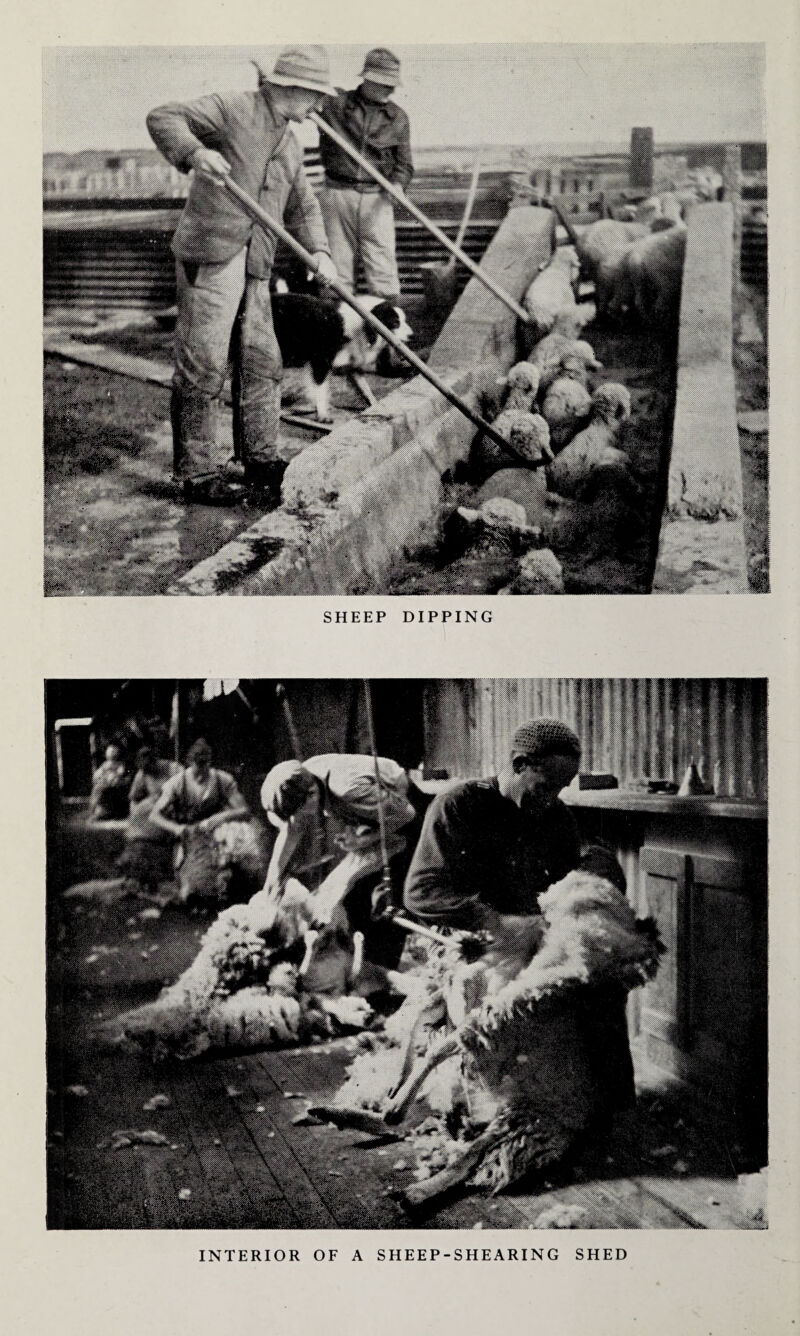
{"points": [[114, 521]]}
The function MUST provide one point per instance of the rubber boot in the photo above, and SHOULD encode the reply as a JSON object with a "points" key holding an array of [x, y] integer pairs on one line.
{"points": [[194, 449]]}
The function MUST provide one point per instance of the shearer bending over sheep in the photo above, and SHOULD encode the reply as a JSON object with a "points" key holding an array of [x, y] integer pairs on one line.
{"points": [[537, 1049], [326, 812]]}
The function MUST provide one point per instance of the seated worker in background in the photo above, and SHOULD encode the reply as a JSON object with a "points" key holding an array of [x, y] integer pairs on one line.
{"points": [[148, 846], [224, 262], [110, 783], [358, 213], [493, 846], [198, 796], [326, 812]]}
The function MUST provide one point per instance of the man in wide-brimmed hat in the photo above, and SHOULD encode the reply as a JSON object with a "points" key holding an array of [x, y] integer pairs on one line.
{"points": [[359, 216], [224, 264]]}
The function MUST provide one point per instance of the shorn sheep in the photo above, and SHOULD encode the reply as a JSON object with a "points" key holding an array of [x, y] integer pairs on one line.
{"points": [[264, 976], [591, 457], [523, 1073]]}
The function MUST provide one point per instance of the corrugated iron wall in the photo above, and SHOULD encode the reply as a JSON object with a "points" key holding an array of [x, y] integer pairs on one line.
{"points": [[115, 253], [111, 267], [632, 727]]}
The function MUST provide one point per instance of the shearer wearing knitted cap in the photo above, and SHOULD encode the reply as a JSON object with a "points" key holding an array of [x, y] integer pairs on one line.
{"points": [[497, 844]]}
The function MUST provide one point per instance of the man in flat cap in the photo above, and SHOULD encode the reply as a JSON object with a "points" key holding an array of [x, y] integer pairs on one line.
{"points": [[497, 844], [224, 263], [359, 216]]}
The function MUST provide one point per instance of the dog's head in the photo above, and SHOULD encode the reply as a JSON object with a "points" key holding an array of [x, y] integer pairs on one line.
{"points": [[365, 345]]}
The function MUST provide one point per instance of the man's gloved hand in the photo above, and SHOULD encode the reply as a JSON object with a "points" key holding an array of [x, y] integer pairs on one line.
{"points": [[326, 269], [210, 163]]}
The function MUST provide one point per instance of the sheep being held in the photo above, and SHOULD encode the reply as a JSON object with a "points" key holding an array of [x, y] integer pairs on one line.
{"points": [[592, 458]]}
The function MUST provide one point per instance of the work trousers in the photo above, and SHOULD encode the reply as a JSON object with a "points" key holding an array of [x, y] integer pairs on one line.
{"points": [[221, 308], [362, 223]]}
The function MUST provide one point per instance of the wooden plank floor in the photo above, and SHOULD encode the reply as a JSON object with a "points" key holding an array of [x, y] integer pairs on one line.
{"points": [[236, 1159]]}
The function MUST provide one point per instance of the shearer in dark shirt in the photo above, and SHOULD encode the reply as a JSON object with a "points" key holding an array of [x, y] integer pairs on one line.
{"points": [[499, 843], [496, 845]]}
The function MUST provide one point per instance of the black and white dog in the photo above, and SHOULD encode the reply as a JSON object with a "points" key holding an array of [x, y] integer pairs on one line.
{"points": [[317, 335]]}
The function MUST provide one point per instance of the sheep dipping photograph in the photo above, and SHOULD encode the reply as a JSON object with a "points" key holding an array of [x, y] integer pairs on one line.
{"points": [[399, 954], [405, 320]]}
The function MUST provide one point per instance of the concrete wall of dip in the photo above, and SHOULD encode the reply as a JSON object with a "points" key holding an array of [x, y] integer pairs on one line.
{"points": [[702, 546], [353, 502]]}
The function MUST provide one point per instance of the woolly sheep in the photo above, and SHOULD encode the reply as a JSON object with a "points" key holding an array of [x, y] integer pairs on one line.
{"points": [[601, 249], [566, 407], [554, 350], [527, 434], [552, 290], [591, 454], [653, 271], [528, 437], [516, 390]]}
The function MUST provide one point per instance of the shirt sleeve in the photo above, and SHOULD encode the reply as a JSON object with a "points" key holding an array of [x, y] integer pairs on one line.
{"points": [[431, 889], [179, 128], [138, 789], [403, 169], [231, 791], [303, 216], [566, 845], [165, 803]]}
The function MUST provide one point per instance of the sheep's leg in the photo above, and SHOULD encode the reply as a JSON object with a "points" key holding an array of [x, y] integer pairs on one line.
{"points": [[419, 1194], [444, 1048]]}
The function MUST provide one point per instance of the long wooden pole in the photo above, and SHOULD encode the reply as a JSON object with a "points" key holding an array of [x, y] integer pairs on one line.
{"points": [[266, 221], [410, 206]]}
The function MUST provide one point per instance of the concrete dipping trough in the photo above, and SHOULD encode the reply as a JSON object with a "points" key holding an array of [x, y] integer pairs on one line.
{"points": [[353, 502], [702, 545]]}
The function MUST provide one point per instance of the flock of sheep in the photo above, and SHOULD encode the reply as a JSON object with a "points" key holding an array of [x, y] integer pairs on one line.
{"points": [[561, 422]]}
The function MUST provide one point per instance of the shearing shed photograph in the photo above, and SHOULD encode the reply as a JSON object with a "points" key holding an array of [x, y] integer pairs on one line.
{"points": [[441, 319], [402, 954]]}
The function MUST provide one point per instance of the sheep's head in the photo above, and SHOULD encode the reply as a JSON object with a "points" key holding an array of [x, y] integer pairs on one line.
{"points": [[522, 384], [569, 322], [527, 434], [566, 257], [585, 352], [612, 403]]}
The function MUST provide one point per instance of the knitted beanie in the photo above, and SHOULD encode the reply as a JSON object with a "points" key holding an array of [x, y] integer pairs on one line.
{"points": [[545, 737]]}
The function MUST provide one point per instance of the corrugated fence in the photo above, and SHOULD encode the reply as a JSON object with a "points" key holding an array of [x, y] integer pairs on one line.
{"points": [[632, 727]]}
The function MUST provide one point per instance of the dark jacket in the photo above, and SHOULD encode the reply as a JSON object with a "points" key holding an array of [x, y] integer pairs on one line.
{"points": [[266, 160], [478, 848], [380, 132]]}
